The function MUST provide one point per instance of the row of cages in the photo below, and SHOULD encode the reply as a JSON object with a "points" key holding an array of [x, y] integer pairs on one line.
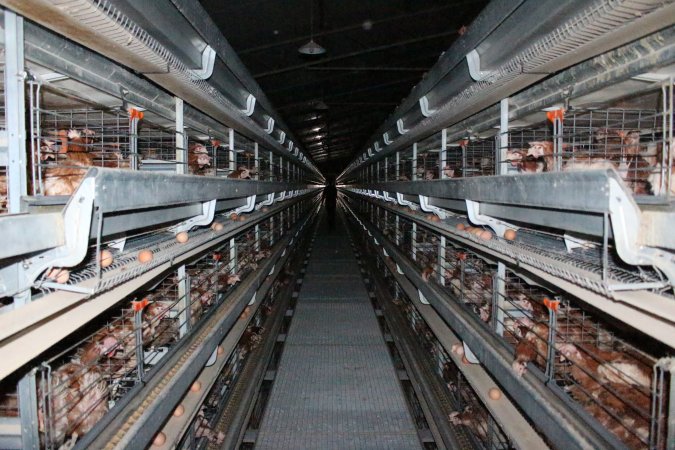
{"points": [[637, 143], [606, 371], [67, 135], [83, 378], [475, 426]]}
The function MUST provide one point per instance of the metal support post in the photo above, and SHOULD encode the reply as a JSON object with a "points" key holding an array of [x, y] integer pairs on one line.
{"points": [[444, 152], [28, 404], [256, 161], [232, 154], [502, 168], [181, 150], [15, 112], [183, 303]]}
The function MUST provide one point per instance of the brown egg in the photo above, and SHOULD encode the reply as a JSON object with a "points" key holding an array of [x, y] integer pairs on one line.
{"points": [[145, 256], [264, 209], [460, 226], [196, 386], [106, 258], [476, 231], [179, 411], [434, 218], [220, 350], [457, 349], [495, 394], [217, 226], [234, 216], [61, 276], [242, 218], [159, 440], [485, 235], [510, 235], [465, 361], [182, 237]]}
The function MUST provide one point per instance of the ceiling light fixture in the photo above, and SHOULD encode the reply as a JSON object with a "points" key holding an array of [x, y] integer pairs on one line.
{"points": [[311, 47]]}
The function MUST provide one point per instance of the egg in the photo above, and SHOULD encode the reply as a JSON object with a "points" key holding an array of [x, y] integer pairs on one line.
{"points": [[159, 440], [179, 411], [182, 237], [106, 258], [196, 386], [61, 276], [510, 235], [234, 216], [465, 361], [476, 231], [217, 226], [485, 235], [434, 218], [495, 394], [145, 256], [220, 350], [242, 218], [460, 226], [264, 209], [457, 349]]}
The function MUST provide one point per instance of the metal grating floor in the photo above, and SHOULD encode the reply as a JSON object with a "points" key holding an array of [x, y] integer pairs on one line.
{"points": [[336, 387]]}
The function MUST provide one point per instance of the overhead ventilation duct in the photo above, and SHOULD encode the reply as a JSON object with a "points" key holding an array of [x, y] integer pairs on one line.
{"points": [[509, 48], [103, 27]]}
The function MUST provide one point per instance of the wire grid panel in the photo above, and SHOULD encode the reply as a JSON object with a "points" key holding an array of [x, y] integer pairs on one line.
{"points": [[65, 142], [157, 148], [471, 158], [630, 141]]}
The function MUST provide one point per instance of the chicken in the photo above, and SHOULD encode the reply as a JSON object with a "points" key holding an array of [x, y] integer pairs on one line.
{"points": [[241, 173], [629, 427], [592, 367], [523, 163], [253, 336], [475, 419], [427, 273], [533, 347], [198, 160], [543, 150], [77, 399]]}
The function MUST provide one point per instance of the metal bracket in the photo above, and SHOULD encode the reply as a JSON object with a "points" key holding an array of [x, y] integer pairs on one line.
{"points": [[469, 354], [385, 138], [473, 61], [250, 105], [270, 126], [370, 152], [248, 207], [252, 301], [403, 202], [626, 218], [398, 269], [208, 60], [424, 107], [282, 196], [205, 218], [78, 215], [282, 137], [290, 146], [427, 207], [423, 299], [387, 198], [572, 242], [376, 145], [272, 270], [400, 128], [268, 202], [498, 226]]}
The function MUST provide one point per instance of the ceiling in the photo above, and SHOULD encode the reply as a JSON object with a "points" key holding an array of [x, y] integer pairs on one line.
{"points": [[376, 51]]}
